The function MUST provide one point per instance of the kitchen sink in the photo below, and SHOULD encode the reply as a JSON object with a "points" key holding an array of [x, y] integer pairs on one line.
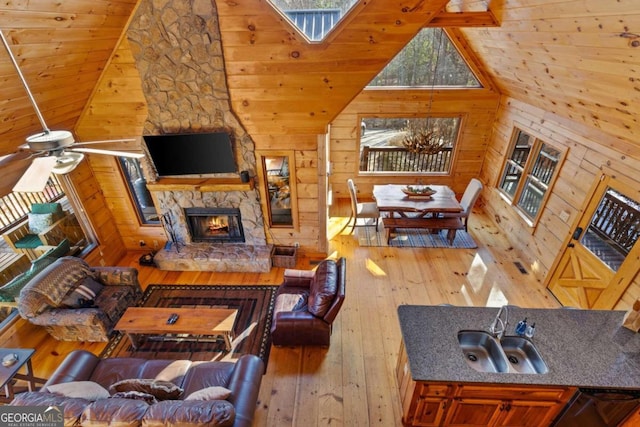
{"points": [[523, 355], [513, 354], [482, 351]]}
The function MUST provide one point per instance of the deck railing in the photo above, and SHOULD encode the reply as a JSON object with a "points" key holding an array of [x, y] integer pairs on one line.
{"points": [[617, 221], [14, 207], [399, 159]]}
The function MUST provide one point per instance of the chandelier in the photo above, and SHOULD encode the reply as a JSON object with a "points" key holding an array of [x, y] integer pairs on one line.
{"points": [[426, 138]]}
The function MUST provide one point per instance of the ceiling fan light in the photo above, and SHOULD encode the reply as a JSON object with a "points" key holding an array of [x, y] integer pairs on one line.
{"points": [[50, 140], [67, 162]]}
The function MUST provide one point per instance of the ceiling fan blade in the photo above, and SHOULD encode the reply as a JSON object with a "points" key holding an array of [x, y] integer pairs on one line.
{"points": [[36, 176], [105, 141], [108, 152]]}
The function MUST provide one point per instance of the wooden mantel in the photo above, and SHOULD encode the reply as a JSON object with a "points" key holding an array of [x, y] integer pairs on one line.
{"points": [[200, 184]]}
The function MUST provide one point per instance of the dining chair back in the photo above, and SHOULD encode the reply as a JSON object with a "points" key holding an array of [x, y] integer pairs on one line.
{"points": [[361, 210], [469, 198]]}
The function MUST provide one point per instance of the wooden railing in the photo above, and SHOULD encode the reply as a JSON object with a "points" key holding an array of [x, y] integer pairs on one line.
{"points": [[617, 221], [399, 159], [14, 207]]}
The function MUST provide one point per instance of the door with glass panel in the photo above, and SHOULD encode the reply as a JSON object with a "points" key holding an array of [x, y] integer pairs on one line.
{"points": [[600, 261]]}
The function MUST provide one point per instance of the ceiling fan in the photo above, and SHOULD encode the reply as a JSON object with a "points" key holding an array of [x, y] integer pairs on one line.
{"points": [[60, 152]]}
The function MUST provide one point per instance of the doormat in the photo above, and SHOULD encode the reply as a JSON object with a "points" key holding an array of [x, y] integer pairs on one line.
{"points": [[413, 238], [251, 332]]}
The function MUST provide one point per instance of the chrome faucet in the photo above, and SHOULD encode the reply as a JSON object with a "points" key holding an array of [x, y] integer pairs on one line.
{"points": [[499, 325]]}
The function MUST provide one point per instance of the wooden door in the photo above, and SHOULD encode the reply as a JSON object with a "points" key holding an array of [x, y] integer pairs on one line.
{"points": [[598, 264]]}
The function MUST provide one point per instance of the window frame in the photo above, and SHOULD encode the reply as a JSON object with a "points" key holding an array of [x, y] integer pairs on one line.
{"points": [[133, 196], [261, 156], [537, 144], [454, 152]]}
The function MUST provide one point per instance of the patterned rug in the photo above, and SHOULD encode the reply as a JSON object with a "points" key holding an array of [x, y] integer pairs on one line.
{"points": [[412, 238], [251, 331]]}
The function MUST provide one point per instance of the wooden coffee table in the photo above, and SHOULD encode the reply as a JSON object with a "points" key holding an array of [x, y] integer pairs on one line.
{"points": [[137, 321]]}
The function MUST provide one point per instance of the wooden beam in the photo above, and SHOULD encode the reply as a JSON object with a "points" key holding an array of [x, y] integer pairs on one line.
{"points": [[464, 19]]}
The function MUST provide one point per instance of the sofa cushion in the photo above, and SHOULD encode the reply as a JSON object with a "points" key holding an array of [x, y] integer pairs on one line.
{"points": [[85, 389], [114, 300], [72, 407], [53, 208], [292, 301], [323, 288], [210, 393], [190, 413], [114, 412], [39, 222], [162, 390], [83, 294]]}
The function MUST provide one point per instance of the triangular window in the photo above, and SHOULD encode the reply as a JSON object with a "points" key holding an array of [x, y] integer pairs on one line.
{"points": [[430, 50], [314, 18]]}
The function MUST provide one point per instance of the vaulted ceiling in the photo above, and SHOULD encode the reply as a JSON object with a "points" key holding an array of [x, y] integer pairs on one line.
{"points": [[573, 58]]}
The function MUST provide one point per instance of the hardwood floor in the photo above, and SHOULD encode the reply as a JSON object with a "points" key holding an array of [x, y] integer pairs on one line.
{"points": [[351, 383]]}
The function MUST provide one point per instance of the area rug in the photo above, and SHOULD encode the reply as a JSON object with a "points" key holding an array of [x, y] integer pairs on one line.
{"points": [[413, 238], [251, 332]]}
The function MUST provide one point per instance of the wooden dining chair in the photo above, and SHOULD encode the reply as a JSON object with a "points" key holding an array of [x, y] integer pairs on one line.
{"points": [[361, 210], [471, 194]]}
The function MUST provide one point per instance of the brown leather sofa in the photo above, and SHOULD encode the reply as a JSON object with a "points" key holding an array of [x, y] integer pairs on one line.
{"points": [[307, 303], [241, 378]]}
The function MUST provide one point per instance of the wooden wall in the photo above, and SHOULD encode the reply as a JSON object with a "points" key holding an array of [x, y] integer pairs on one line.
{"points": [[590, 152]]}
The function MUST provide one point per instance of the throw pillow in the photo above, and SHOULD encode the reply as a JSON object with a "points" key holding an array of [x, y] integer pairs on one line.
{"points": [[137, 395], [210, 393], [85, 389], [82, 295], [161, 390], [39, 222]]}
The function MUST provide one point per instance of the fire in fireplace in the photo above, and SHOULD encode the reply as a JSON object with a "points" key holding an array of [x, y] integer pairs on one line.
{"points": [[215, 225]]}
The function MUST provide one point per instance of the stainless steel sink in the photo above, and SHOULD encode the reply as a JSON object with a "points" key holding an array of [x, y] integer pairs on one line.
{"points": [[482, 351], [523, 355], [512, 354]]}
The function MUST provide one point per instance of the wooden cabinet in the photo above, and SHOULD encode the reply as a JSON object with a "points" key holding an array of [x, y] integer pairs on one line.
{"points": [[426, 403]]}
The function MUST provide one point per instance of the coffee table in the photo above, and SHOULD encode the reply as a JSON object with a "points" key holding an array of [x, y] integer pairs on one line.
{"points": [[9, 373], [137, 321]]}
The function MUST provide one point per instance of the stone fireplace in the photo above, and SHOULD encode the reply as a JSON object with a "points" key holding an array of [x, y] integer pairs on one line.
{"points": [[178, 53]]}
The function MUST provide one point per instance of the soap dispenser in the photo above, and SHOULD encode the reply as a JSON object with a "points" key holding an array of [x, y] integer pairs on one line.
{"points": [[521, 327]]}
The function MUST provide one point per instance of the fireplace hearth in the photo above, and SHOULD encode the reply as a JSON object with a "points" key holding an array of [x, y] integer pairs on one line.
{"points": [[215, 225]]}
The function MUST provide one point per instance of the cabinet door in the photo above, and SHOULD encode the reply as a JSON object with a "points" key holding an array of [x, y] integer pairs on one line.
{"points": [[474, 412], [430, 411], [527, 413]]}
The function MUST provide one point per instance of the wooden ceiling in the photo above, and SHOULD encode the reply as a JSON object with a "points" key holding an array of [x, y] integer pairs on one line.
{"points": [[573, 58]]}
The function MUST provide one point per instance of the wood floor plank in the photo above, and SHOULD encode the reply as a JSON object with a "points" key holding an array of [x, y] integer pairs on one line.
{"points": [[351, 383]]}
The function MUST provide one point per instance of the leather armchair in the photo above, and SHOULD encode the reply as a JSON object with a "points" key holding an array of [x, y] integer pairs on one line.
{"points": [[307, 304]]}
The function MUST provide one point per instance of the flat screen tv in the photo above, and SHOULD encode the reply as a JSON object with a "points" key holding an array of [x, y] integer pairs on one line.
{"points": [[192, 154]]}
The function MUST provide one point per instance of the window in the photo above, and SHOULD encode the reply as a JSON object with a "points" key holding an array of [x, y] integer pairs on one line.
{"points": [[140, 195], [383, 144], [314, 18], [279, 178], [429, 52], [529, 172]]}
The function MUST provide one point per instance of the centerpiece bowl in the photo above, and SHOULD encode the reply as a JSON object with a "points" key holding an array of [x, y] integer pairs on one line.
{"points": [[418, 191]]}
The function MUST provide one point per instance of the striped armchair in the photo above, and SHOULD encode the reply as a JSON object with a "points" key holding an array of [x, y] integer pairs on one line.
{"points": [[76, 302]]}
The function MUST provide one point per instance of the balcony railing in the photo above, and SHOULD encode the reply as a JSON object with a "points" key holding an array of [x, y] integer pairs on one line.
{"points": [[399, 159], [14, 207]]}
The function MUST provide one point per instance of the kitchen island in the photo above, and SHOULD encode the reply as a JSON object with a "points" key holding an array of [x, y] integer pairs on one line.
{"points": [[581, 348]]}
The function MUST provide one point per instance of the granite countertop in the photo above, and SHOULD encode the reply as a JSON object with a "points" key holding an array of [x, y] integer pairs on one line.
{"points": [[582, 348]]}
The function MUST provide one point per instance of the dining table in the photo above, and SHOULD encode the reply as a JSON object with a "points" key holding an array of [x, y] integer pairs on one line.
{"points": [[401, 210], [391, 198]]}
